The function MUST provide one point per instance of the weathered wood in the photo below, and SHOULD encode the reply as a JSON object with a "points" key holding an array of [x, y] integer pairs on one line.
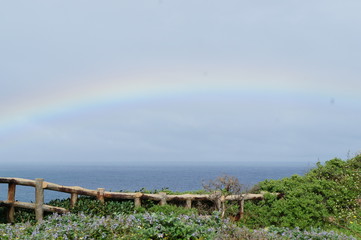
{"points": [[18, 181], [189, 203], [100, 195], [50, 208], [11, 198], [241, 208], [137, 200], [151, 196], [68, 189], [26, 205], [119, 195], [163, 198], [247, 196], [19, 204], [218, 203], [73, 199], [39, 199], [223, 204]]}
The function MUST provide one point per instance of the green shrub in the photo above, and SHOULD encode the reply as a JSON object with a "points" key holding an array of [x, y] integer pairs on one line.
{"points": [[172, 210], [322, 198], [91, 206]]}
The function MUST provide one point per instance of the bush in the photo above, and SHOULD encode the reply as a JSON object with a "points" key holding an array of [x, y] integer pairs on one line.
{"points": [[91, 206], [325, 197], [172, 210]]}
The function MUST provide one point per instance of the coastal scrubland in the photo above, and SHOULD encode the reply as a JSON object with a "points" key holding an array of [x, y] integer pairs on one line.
{"points": [[325, 203]]}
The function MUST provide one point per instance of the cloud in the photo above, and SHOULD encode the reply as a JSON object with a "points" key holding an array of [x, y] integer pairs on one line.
{"points": [[124, 81]]}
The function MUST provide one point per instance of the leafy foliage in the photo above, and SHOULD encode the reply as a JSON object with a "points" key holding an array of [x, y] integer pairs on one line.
{"points": [[149, 226], [324, 197], [91, 206], [172, 210]]}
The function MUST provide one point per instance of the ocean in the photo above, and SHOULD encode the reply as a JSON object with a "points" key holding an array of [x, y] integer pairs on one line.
{"points": [[133, 178]]}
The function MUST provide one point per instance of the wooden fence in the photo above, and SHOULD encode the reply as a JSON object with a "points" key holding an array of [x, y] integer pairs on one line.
{"points": [[39, 207]]}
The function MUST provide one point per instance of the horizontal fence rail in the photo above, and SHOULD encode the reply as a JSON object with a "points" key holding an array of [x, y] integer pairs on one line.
{"points": [[40, 185]]}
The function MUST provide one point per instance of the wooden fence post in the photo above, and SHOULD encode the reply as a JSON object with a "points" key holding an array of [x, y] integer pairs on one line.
{"points": [[223, 205], [39, 199], [11, 198], [189, 203], [100, 194], [163, 199], [216, 197], [137, 200], [241, 208], [73, 199], [218, 203]]}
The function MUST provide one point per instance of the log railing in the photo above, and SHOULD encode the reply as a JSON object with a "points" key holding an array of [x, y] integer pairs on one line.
{"points": [[39, 207]]}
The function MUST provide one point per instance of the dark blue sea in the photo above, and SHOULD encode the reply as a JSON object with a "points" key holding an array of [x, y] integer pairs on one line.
{"points": [[133, 178]]}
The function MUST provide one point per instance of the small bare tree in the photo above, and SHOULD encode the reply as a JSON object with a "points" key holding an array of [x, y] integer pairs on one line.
{"points": [[222, 187]]}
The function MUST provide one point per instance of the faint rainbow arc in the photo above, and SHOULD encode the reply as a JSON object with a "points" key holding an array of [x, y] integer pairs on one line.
{"points": [[132, 90]]}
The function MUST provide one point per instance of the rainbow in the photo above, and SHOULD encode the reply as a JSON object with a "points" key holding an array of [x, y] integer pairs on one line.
{"points": [[147, 87]]}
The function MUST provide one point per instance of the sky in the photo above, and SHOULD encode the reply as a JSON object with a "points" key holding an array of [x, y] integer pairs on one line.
{"points": [[179, 82]]}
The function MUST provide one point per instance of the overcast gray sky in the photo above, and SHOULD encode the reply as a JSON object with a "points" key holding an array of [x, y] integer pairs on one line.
{"points": [[179, 81]]}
